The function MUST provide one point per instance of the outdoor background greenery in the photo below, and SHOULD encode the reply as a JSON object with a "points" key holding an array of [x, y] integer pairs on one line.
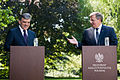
{"points": [[54, 21]]}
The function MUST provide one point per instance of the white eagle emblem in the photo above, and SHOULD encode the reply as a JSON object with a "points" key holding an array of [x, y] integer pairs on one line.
{"points": [[99, 57]]}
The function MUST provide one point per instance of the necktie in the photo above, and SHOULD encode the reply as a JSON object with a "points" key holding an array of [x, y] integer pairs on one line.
{"points": [[25, 36], [97, 35]]}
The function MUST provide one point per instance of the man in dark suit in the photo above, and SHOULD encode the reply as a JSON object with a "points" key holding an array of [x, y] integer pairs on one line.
{"points": [[97, 34], [21, 35]]}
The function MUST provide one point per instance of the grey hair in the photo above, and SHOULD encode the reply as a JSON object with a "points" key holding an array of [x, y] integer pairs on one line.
{"points": [[98, 15], [25, 16]]}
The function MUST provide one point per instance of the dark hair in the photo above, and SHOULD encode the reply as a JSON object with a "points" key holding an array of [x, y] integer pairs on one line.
{"points": [[25, 16], [98, 15]]}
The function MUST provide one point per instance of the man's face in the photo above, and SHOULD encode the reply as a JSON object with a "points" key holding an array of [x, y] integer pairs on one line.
{"points": [[24, 23], [95, 22]]}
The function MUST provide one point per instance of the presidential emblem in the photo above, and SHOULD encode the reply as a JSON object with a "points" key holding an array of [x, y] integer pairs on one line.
{"points": [[99, 57]]}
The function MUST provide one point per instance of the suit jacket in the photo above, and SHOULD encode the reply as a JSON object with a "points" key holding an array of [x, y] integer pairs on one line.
{"points": [[15, 38], [106, 31]]}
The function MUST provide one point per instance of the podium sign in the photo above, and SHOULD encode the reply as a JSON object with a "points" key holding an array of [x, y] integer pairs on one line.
{"points": [[27, 63], [99, 63]]}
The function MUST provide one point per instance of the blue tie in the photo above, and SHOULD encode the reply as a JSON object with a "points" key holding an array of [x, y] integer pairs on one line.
{"points": [[97, 35], [25, 36]]}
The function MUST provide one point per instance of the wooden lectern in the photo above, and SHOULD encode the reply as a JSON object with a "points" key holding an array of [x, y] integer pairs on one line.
{"points": [[99, 63], [27, 63]]}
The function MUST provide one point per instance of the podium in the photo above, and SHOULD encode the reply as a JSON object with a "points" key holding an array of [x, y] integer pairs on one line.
{"points": [[27, 63], [99, 63]]}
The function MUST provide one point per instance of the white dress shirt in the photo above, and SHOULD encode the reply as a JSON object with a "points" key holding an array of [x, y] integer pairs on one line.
{"points": [[23, 31], [99, 29]]}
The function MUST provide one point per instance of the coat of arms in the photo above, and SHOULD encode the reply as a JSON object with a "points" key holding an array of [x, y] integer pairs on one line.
{"points": [[99, 57]]}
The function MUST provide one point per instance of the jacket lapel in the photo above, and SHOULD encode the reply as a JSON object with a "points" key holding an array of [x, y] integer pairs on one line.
{"points": [[92, 36], [102, 33], [28, 38], [20, 34]]}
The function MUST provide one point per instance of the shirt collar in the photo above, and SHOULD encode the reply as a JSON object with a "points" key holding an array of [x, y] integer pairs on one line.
{"points": [[22, 30], [100, 27]]}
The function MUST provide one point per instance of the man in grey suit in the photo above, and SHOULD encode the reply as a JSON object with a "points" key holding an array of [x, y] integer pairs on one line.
{"points": [[20, 35], [96, 34]]}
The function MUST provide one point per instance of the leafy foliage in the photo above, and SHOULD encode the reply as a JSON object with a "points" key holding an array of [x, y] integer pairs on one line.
{"points": [[6, 17], [54, 21]]}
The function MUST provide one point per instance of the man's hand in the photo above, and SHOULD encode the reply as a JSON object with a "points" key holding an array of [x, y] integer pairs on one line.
{"points": [[73, 40]]}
